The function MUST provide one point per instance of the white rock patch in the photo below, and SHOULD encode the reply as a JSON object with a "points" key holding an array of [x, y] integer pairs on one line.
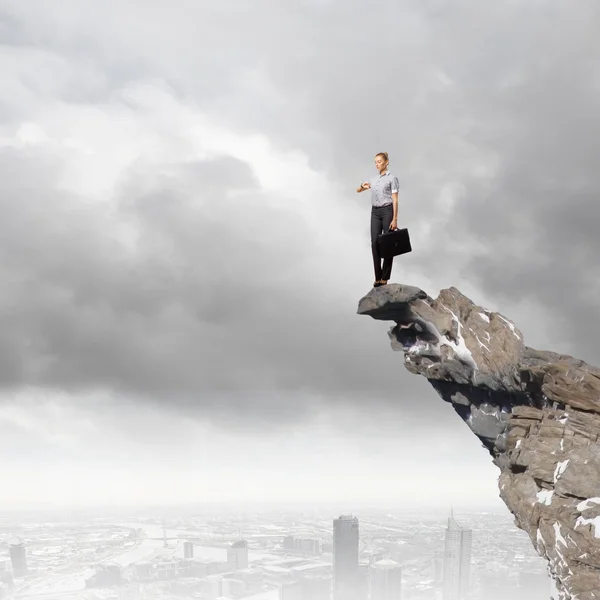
{"points": [[512, 327], [584, 504], [560, 469], [545, 497]]}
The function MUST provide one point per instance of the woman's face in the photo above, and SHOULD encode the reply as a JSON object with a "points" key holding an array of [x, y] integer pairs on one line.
{"points": [[380, 163]]}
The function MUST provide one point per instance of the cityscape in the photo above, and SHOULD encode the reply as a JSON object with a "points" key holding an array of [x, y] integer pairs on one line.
{"points": [[280, 554]]}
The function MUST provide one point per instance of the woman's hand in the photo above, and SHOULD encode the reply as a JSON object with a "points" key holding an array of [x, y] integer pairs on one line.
{"points": [[366, 186], [393, 225]]}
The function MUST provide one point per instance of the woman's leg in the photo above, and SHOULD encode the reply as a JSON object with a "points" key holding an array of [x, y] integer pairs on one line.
{"points": [[386, 218], [376, 228]]}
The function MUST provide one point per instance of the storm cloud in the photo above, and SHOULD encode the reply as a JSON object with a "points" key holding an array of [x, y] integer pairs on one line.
{"points": [[178, 219]]}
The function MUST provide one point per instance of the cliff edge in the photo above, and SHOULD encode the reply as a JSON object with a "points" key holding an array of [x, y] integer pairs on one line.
{"points": [[536, 412]]}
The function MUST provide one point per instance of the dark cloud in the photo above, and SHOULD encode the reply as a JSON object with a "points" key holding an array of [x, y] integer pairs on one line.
{"points": [[211, 310], [218, 298]]}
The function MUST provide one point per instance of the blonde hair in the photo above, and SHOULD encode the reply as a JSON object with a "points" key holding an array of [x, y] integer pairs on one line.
{"points": [[385, 156]]}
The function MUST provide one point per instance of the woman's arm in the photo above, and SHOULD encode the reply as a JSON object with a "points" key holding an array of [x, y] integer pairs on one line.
{"points": [[395, 190], [394, 223], [363, 186]]}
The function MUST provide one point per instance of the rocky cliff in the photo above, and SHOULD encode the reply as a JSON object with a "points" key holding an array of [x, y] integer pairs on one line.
{"points": [[536, 412]]}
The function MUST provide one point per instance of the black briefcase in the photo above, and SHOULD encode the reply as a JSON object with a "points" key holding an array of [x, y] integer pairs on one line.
{"points": [[394, 243]]}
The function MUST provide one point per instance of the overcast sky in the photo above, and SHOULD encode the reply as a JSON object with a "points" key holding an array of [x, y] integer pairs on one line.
{"points": [[183, 249]]}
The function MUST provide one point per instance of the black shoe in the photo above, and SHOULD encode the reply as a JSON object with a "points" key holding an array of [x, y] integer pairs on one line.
{"points": [[376, 284]]}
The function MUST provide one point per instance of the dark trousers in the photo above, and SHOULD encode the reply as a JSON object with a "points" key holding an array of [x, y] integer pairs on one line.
{"points": [[381, 218]]}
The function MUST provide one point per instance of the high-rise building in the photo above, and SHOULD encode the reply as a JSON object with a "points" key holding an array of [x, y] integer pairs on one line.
{"points": [[188, 550], [345, 557], [18, 557], [386, 580], [457, 561], [237, 556]]}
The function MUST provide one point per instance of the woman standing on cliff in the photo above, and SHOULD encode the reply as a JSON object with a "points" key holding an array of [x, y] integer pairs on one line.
{"points": [[384, 213]]}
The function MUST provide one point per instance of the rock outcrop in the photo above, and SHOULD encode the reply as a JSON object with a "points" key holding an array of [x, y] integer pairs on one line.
{"points": [[536, 412]]}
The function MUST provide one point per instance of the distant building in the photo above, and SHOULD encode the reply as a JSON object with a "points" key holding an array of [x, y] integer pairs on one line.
{"points": [[373, 555], [233, 587], [306, 588], [7, 580], [495, 580], [457, 561], [345, 558], [363, 580], [437, 571], [291, 590], [212, 586], [106, 575], [306, 546], [114, 574], [288, 542], [237, 556], [144, 571], [316, 588], [18, 558], [188, 550], [167, 570], [386, 580], [130, 592]]}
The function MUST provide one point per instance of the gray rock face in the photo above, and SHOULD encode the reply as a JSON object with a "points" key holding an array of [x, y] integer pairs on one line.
{"points": [[536, 412]]}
